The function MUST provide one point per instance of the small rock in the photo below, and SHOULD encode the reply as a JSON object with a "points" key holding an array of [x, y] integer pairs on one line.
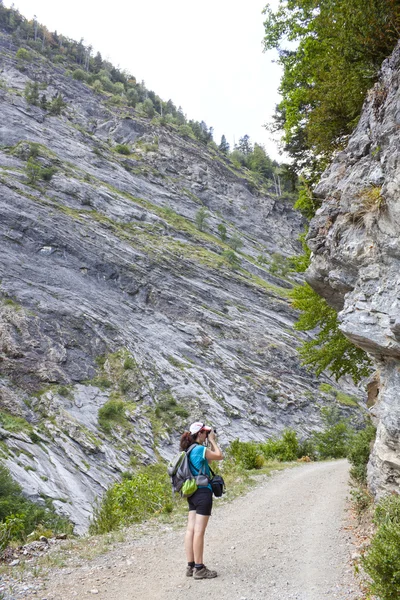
{"points": [[14, 563]]}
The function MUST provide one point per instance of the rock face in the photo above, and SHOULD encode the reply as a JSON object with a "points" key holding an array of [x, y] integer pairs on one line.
{"points": [[120, 321], [355, 238]]}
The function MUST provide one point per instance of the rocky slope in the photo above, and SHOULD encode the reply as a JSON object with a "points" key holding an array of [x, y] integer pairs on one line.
{"points": [[355, 238], [113, 301]]}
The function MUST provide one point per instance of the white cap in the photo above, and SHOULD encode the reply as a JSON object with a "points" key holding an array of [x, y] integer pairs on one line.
{"points": [[196, 427]]}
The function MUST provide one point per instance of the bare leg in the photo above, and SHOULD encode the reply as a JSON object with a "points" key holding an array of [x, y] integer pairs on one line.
{"points": [[189, 536], [198, 537]]}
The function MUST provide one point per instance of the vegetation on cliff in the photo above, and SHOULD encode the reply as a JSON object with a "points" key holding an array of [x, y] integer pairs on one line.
{"points": [[331, 53]]}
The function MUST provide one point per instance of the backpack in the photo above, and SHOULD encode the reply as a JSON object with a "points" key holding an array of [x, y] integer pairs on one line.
{"points": [[179, 469]]}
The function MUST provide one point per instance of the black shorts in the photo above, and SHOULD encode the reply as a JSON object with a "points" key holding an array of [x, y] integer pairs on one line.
{"points": [[201, 502]]}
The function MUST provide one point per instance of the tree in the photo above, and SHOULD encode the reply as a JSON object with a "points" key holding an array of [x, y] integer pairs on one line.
{"points": [[339, 47], [232, 258], [56, 105], [201, 218], [133, 97], [148, 108], [224, 146], [222, 231], [31, 93], [259, 162], [235, 242], [244, 146], [329, 348]]}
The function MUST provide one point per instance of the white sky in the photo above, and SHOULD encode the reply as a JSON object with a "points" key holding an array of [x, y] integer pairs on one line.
{"points": [[206, 56]]}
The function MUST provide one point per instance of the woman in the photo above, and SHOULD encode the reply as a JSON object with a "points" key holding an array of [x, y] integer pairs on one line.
{"points": [[200, 503]]}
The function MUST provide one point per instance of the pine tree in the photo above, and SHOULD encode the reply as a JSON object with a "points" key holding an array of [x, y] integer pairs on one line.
{"points": [[224, 146]]}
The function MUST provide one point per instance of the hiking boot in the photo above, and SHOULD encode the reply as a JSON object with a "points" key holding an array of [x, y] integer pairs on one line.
{"points": [[204, 573], [189, 571]]}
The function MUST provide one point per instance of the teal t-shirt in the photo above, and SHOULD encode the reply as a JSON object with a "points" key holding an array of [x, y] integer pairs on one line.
{"points": [[198, 462]]}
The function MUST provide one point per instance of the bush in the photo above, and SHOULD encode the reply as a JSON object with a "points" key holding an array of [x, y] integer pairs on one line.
{"points": [[201, 219], [23, 54], [19, 516], [382, 560], [122, 149], [79, 74], [113, 411], [246, 454], [359, 451], [286, 448], [235, 242], [232, 258], [145, 493]]}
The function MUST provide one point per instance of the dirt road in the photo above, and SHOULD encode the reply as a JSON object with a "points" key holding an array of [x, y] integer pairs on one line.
{"points": [[284, 539]]}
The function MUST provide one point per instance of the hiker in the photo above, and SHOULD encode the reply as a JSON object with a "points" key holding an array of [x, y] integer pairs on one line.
{"points": [[200, 503]]}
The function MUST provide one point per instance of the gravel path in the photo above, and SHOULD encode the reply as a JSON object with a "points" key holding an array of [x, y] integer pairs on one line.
{"points": [[284, 539]]}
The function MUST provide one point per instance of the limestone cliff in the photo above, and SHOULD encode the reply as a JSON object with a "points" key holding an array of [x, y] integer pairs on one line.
{"points": [[120, 321], [356, 257]]}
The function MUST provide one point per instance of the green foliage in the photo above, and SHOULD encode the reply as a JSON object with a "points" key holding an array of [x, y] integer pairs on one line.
{"points": [[112, 412], [359, 451], [224, 146], [23, 55], [339, 47], [382, 559], [285, 448], [279, 265], [168, 407], [235, 242], [201, 218], [329, 349], [252, 455], [145, 493], [79, 75], [222, 231], [35, 171], [56, 105], [185, 131], [306, 203], [247, 454], [301, 262], [19, 516], [122, 149], [31, 93], [32, 171], [334, 440], [232, 258]]}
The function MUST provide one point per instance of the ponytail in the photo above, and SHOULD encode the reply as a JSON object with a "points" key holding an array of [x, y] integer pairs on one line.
{"points": [[187, 439]]}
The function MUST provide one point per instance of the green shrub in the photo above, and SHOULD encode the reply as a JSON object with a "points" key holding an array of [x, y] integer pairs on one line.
{"points": [[232, 258], [19, 516], [361, 499], [23, 54], [382, 559], [235, 242], [122, 149], [246, 454], [79, 74], [285, 449], [135, 498], [12, 528], [307, 448], [222, 231], [201, 219], [358, 453], [113, 411], [129, 363]]}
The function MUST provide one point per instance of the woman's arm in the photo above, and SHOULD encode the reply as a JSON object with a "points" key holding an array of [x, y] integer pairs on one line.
{"points": [[213, 453]]}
